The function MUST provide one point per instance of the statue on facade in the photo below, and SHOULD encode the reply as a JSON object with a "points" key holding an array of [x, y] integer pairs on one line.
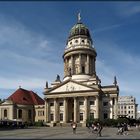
{"points": [[46, 84], [115, 81], [57, 78], [69, 72]]}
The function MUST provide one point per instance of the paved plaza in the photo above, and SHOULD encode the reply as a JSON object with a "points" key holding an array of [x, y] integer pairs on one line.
{"points": [[65, 133]]}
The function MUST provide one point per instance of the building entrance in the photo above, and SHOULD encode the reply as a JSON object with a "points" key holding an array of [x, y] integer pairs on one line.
{"points": [[70, 109]]}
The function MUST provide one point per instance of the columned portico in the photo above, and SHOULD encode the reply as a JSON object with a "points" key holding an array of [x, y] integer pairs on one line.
{"points": [[65, 110], [75, 109], [88, 64], [47, 112], [115, 109], [97, 107], [80, 93], [55, 110], [86, 109]]}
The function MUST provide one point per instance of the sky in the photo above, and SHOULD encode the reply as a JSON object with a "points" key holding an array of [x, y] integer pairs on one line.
{"points": [[33, 37]]}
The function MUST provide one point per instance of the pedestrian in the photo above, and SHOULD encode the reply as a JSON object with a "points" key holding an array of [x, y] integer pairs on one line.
{"points": [[88, 126], [100, 127], [74, 126]]}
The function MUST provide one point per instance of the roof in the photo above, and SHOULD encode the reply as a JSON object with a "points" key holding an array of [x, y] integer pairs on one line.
{"points": [[25, 97], [79, 29]]}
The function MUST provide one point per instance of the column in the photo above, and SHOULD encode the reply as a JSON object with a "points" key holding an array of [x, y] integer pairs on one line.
{"points": [[66, 67], [80, 71], [13, 112], [47, 119], [88, 65], [72, 65], [86, 109], [115, 109], [111, 108], [97, 108], [92, 67], [55, 110], [75, 109], [17, 114], [65, 117]]}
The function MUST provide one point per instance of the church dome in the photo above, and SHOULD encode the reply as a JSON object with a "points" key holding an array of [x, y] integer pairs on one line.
{"points": [[79, 29]]}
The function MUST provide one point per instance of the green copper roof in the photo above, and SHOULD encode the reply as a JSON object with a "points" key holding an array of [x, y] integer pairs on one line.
{"points": [[79, 29]]}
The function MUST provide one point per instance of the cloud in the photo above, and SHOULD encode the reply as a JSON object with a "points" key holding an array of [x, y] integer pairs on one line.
{"points": [[125, 65], [25, 56], [25, 82], [17, 38], [128, 9], [110, 27]]}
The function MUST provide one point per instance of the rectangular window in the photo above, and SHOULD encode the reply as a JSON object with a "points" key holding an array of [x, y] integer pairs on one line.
{"points": [[83, 69], [29, 114], [113, 101], [61, 116], [81, 103], [41, 113], [92, 103], [91, 116], [61, 104], [51, 104], [51, 116], [105, 103], [131, 106], [105, 115], [81, 116]]}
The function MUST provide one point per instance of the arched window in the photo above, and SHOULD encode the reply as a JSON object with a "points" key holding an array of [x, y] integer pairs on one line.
{"points": [[83, 69], [5, 112], [19, 113]]}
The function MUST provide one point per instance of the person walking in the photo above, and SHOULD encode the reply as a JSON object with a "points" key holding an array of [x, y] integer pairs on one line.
{"points": [[74, 126], [100, 127]]}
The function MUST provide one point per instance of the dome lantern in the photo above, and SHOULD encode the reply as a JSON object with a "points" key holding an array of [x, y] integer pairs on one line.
{"points": [[79, 30]]}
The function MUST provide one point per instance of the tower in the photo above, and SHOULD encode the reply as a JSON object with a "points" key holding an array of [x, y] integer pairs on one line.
{"points": [[79, 54], [80, 95]]}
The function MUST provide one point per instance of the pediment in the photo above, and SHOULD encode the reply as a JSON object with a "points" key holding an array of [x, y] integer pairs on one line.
{"points": [[71, 86], [6, 102]]}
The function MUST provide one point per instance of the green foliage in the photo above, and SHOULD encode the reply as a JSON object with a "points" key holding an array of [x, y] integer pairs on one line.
{"points": [[110, 122], [39, 123], [123, 120], [91, 120]]}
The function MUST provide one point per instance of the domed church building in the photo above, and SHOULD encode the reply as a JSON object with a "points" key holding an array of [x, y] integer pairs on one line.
{"points": [[80, 95]]}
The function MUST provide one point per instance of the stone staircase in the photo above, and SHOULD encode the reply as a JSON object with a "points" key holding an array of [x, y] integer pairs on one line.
{"points": [[62, 124], [67, 125]]}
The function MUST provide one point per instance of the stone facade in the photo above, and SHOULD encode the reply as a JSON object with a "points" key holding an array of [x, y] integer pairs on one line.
{"points": [[23, 105], [80, 94], [39, 113], [11, 111], [127, 106]]}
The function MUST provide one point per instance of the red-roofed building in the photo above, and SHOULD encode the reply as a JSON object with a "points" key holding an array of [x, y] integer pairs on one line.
{"points": [[22, 105]]}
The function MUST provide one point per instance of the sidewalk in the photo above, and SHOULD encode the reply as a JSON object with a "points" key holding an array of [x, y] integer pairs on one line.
{"points": [[65, 133]]}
